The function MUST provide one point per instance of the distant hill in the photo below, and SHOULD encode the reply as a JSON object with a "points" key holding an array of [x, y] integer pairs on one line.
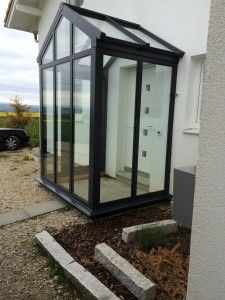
{"points": [[5, 107]]}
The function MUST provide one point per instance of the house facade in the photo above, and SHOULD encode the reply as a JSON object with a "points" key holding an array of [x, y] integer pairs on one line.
{"points": [[185, 25], [182, 23]]}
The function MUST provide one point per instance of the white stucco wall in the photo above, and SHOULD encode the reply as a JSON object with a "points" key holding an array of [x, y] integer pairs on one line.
{"points": [[180, 22], [207, 264], [48, 13]]}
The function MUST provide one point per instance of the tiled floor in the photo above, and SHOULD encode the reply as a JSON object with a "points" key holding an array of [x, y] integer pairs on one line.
{"points": [[111, 189]]}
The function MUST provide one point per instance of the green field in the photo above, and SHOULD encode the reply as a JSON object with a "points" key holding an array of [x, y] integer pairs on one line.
{"points": [[4, 114]]}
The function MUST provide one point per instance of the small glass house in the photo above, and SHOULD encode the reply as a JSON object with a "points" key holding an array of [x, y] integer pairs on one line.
{"points": [[107, 103]]}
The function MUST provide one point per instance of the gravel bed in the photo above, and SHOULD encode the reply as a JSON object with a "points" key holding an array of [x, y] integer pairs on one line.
{"points": [[26, 272], [19, 188]]}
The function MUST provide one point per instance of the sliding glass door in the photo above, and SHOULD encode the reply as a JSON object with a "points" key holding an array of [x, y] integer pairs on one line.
{"points": [[119, 128]]}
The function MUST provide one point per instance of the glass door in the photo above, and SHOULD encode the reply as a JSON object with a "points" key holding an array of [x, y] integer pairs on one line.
{"points": [[119, 107]]}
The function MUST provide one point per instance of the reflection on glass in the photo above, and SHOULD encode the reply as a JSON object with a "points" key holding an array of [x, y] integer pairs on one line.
{"points": [[63, 38], [109, 29], [48, 123], [82, 73], [81, 40], [147, 39], [48, 56], [120, 99], [63, 124], [155, 100]]}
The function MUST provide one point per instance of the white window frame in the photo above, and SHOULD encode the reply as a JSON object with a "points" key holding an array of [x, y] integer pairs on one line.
{"points": [[194, 96]]}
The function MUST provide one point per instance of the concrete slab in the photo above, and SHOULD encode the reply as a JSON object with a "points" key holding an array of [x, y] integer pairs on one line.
{"points": [[140, 286], [13, 217], [30, 212], [129, 233], [44, 207]]}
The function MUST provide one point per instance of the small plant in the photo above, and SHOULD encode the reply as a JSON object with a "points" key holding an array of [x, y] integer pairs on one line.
{"points": [[33, 132], [148, 238], [21, 116], [29, 243]]}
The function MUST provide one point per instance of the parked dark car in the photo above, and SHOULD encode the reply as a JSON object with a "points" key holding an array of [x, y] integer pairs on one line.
{"points": [[12, 138]]}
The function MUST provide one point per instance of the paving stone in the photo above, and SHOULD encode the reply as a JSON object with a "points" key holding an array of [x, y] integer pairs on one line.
{"points": [[89, 285], [30, 212], [140, 286], [13, 217], [44, 207], [129, 233]]}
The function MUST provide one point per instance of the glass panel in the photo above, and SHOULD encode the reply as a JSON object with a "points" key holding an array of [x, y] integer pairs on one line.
{"points": [[63, 124], [81, 40], [155, 102], [147, 39], [48, 56], [109, 30], [48, 123], [63, 38], [119, 108], [82, 76]]}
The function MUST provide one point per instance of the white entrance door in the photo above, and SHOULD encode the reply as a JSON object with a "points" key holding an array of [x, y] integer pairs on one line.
{"points": [[146, 126], [151, 127]]}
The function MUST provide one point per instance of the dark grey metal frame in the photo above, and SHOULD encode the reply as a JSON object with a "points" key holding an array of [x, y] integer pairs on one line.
{"points": [[102, 45]]}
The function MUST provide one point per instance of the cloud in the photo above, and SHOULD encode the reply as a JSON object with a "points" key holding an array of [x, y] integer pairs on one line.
{"points": [[18, 66]]}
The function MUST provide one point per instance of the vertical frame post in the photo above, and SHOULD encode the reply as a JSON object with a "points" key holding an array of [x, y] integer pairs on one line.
{"points": [[71, 179], [41, 124], [170, 128], [137, 111], [54, 110], [95, 127]]}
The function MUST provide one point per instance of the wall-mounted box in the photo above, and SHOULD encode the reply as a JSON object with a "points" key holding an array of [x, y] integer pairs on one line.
{"points": [[183, 195]]}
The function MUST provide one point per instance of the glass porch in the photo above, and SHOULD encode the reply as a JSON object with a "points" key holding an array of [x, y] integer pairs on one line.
{"points": [[107, 102]]}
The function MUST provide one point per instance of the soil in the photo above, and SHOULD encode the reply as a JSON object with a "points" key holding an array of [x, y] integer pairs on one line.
{"points": [[80, 240]]}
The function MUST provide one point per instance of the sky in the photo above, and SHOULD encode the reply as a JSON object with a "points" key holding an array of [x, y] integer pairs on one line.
{"points": [[18, 66]]}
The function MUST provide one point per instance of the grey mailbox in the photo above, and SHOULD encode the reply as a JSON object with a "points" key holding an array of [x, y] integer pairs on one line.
{"points": [[183, 195]]}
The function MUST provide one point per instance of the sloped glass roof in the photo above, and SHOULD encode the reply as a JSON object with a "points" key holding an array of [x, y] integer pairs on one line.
{"points": [[124, 30], [90, 25], [109, 29]]}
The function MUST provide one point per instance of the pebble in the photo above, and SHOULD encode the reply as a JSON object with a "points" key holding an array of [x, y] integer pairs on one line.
{"points": [[24, 273], [19, 188]]}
